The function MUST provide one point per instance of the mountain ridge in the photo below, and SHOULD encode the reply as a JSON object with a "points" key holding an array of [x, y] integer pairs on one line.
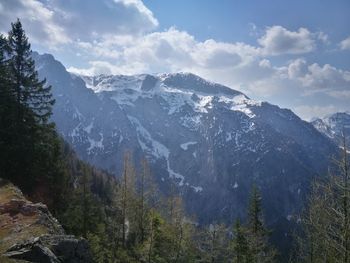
{"points": [[334, 126], [214, 147]]}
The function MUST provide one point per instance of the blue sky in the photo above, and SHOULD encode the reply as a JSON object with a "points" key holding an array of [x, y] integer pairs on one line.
{"points": [[295, 54]]}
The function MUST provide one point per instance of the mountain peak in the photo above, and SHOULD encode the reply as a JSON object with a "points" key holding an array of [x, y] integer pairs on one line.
{"points": [[334, 126]]}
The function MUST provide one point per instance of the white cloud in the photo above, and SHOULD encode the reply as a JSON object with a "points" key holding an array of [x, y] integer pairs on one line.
{"points": [[307, 112], [103, 67], [297, 68], [95, 19], [53, 23], [325, 77], [170, 51], [38, 21], [138, 4], [340, 94], [278, 40], [345, 44], [238, 65], [323, 37], [118, 37]]}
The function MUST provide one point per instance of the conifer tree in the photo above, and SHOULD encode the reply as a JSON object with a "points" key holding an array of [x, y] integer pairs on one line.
{"points": [[7, 105], [239, 244], [28, 139], [259, 248], [28, 90]]}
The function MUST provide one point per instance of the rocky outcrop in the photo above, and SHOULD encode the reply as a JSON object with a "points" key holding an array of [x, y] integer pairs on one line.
{"points": [[29, 233], [51, 248]]}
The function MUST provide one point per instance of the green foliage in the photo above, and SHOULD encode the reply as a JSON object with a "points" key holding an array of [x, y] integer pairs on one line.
{"points": [[257, 235], [30, 151], [239, 244]]}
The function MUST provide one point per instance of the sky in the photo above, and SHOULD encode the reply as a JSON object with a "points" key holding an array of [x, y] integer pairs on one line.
{"points": [[295, 54]]}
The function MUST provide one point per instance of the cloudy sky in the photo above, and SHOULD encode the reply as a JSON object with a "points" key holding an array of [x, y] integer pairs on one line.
{"points": [[295, 54]]}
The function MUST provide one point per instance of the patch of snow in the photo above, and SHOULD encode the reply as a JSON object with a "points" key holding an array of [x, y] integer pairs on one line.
{"points": [[240, 103], [158, 150], [75, 133], [95, 144], [204, 102], [184, 146], [77, 114], [121, 138], [89, 127], [228, 136], [197, 189]]}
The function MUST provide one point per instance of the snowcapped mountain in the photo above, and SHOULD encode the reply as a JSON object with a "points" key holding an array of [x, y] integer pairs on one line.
{"points": [[335, 126], [212, 141]]}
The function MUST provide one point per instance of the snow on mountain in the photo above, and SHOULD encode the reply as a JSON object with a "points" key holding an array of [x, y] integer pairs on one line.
{"points": [[211, 141], [334, 126]]}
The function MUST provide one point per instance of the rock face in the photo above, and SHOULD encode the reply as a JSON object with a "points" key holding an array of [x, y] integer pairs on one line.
{"points": [[51, 248], [29, 232], [213, 142], [335, 126]]}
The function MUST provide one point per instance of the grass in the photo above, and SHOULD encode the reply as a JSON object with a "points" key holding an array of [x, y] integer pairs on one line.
{"points": [[16, 228], [8, 191]]}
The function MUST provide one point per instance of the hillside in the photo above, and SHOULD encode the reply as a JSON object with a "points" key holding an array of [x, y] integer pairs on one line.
{"points": [[212, 141], [29, 232]]}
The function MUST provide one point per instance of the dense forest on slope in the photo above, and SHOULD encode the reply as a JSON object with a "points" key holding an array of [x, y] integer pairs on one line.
{"points": [[129, 220]]}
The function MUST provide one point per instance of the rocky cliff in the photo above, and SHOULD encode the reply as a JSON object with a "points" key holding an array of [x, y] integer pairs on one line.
{"points": [[211, 141], [29, 233]]}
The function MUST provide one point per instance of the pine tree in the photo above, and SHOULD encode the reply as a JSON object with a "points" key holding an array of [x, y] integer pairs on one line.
{"points": [[7, 109], [28, 90], [29, 141], [83, 213], [239, 244], [259, 248]]}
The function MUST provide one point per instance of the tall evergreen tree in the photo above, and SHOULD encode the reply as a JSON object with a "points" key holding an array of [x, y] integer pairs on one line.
{"points": [[259, 248], [28, 90], [7, 104], [29, 143], [239, 244]]}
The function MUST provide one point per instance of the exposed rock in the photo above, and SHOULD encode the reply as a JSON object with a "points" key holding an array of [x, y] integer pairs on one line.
{"points": [[335, 126], [51, 249], [239, 141], [32, 251], [30, 233]]}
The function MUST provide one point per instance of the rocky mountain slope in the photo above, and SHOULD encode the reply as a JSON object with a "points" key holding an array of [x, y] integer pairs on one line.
{"points": [[334, 126], [211, 141], [29, 233]]}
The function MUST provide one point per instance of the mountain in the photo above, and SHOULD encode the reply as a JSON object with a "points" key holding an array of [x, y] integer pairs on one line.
{"points": [[334, 126], [212, 141]]}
